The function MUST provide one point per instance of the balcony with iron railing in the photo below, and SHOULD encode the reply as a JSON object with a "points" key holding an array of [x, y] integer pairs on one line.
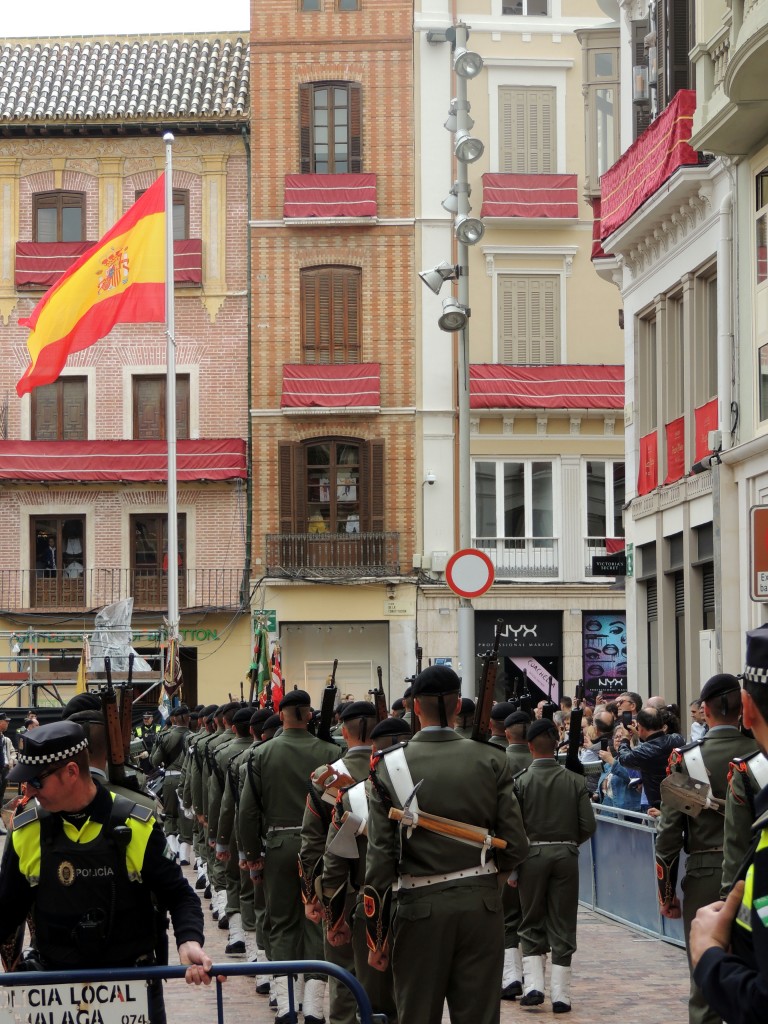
{"points": [[333, 555], [600, 547], [44, 590], [523, 558]]}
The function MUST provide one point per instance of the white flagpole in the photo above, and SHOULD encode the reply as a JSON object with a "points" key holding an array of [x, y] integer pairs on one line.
{"points": [[170, 397]]}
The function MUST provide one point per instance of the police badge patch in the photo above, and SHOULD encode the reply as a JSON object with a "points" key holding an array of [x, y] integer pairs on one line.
{"points": [[66, 873]]}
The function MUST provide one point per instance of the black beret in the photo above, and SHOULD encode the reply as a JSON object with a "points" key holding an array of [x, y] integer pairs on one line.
{"points": [[193, 716], [501, 711], [436, 681], [390, 727], [408, 692], [4, 717], [517, 718], [50, 744], [397, 705], [541, 727], [81, 702], [296, 699], [358, 709], [259, 716], [90, 717], [208, 710], [179, 709], [273, 722], [242, 715], [719, 685], [467, 706]]}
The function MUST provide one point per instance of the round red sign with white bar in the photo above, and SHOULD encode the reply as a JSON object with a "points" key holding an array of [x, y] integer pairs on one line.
{"points": [[469, 573]]}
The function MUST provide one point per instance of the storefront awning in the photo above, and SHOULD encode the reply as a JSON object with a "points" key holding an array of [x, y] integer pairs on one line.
{"points": [[329, 195], [121, 461], [340, 386], [494, 386]]}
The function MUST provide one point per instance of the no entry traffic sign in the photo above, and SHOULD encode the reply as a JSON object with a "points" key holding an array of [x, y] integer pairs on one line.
{"points": [[469, 573]]}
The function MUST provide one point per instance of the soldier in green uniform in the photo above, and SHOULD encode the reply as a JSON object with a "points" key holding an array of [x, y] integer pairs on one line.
{"points": [[193, 762], [500, 712], [269, 821], [705, 761], [465, 718], [519, 757], [747, 776], [447, 935], [558, 817], [729, 941], [357, 719], [217, 785], [343, 878], [169, 752]]}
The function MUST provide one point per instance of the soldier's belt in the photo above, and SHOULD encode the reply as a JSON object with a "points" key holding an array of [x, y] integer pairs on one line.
{"points": [[169, 771], [419, 881], [553, 842], [283, 828], [709, 849]]}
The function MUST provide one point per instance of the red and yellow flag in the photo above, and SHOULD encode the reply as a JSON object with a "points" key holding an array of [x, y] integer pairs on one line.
{"points": [[120, 280]]}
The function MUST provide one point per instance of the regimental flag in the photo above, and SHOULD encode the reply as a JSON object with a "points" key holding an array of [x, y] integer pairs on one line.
{"points": [[82, 668], [120, 280], [172, 677], [277, 677], [263, 673]]}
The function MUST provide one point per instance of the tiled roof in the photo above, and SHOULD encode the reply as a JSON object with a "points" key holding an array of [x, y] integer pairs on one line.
{"points": [[82, 79]]}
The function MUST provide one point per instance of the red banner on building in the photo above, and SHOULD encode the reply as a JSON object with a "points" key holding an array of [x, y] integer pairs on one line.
{"points": [[648, 471], [705, 419], [675, 435]]}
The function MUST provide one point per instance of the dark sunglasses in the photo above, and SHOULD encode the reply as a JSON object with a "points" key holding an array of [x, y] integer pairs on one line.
{"points": [[36, 782]]}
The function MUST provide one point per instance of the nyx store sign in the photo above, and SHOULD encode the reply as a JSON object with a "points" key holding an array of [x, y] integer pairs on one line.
{"points": [[531, 633]]}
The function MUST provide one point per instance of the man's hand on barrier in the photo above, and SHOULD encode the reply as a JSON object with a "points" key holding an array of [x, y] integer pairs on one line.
{"points": [[671, 910], [200, 963], [711, 928]]}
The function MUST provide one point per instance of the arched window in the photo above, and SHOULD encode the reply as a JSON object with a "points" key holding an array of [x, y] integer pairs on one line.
{"points": [[58, 217]]}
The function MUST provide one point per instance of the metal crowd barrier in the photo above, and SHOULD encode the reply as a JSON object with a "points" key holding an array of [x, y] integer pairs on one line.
{"points": [[94, 990], [617, 873]]}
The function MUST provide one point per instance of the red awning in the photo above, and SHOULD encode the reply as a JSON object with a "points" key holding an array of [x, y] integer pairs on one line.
{"points": [[41, 264], [648, 163], [340, 386], [495, 386], [125, 461], [598, 253], [530, 195], [330, 195]]}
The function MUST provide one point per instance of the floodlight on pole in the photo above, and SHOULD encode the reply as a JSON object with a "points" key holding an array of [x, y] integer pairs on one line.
{"points": [[451, 201], [467, 63], [467, 148], [469, 230], [437, 276], [451, 124], [454, 316]]}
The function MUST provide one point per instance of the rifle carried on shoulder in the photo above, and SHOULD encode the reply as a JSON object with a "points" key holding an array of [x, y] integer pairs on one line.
{"points": [[379, 699], [572, 762], [481, 726], [126, 710], [327, 706], [115, 751]]}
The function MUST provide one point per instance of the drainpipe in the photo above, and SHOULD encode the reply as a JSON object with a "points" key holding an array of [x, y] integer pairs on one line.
{"points": [[724, 395], [245, 593]]}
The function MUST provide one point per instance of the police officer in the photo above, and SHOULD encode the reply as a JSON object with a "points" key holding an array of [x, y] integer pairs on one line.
{"points": [[706, 761], [168, 752], [147, 730], [448, 919], [729, 941], [558, 817], [269, 824], [87, 865]]}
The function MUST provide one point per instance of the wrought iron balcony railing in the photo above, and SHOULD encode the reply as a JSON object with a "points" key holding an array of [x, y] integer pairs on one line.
{"points": [[333, 554], [522, 557]]}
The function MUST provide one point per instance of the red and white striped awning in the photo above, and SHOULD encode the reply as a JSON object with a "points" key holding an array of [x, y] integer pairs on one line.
{"points": [[496, 386], [337, 387], [530, 195], [122, 461], [329, 195]]}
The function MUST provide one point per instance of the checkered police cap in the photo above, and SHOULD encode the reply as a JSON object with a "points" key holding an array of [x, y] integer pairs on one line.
{"points": [[756, 667], [50, 744]]}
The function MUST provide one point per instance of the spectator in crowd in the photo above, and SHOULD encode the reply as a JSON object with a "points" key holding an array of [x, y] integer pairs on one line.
{"points": [[566, 704], [629, 701], [539, 707], [618, 786], [7, 758], [655, 702], [651, 755], [698, 721]]}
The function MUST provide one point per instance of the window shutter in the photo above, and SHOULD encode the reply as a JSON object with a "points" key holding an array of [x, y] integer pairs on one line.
{"points": [[680, 26], [542, 116], [651, 601], [330, 314], [708, 589], [45, 420], [355, 130], [529, 319], [372, 472], [74, 410], [507, 138], [662, 97], [527, 130], [182, 406], [641, 113], [679, 595], [285, 460], [305, 128]]}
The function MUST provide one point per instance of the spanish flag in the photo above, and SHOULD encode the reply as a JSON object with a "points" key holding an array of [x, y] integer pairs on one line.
{"points": [[120, 280]]}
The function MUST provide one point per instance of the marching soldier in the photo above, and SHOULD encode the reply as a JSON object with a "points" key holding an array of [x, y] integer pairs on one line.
{"points": [[747, 776], [729, 941], [357, 721], [518, 757], [558, 817], [465, 718], [705, 763], [343, 877], [499, 714], [269, 821], [193, 762], [168, 753], [448, 919]]}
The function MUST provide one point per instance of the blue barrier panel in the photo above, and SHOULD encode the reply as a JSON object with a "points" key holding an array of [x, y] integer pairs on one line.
{"points": [[35, 979]]}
